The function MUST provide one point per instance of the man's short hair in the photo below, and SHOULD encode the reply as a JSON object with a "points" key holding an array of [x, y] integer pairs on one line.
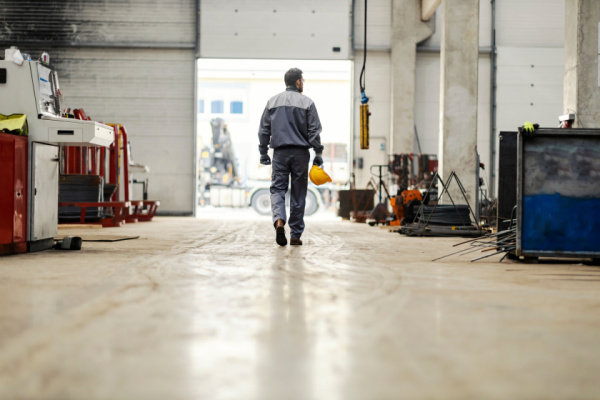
{"points": [[292, 76]]}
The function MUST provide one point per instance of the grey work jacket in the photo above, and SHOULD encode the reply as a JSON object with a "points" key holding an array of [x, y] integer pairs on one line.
{"points": [[290, 119]]}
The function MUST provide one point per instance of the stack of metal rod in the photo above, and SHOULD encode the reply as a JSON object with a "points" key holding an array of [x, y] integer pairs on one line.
{"points": [[503, 242], [446, 214], [445, 219], [442, 220]]}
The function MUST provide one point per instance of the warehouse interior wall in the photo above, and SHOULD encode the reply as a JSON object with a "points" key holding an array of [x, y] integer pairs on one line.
{"points": [[129, 62], [132, 62]]}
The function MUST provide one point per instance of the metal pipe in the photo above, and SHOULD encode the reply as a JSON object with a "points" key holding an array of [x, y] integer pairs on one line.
{"points": [[125, 149], [352, 30], [493, 69], [437, 49], [489, 255], [195, 109]]}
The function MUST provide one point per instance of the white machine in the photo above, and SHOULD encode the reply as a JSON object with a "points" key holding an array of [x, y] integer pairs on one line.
{"points": [[31, 88]]}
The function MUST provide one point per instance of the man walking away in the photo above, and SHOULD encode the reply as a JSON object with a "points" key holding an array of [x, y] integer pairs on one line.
{"points": [[290, 126]]}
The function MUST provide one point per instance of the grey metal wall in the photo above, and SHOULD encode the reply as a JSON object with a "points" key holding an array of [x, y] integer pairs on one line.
{"points": [[128, 62], [98, 22], [531, 23]]}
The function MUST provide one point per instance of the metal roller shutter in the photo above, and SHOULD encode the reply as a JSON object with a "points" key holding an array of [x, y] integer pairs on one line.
{"points": [[131, 62]]}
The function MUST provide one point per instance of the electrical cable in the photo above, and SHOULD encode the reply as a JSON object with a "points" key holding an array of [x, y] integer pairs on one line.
{"points": [[418, 141], [362, 78]]}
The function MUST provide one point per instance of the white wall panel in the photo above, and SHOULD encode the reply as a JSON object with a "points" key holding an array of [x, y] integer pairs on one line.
{"points": [[427, 101], [531, 23], [530, 86], [275, 29], [379, 24]]}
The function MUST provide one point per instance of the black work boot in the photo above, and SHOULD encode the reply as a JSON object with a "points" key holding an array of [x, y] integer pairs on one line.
{"points": [[295, 242], [280, 233]]}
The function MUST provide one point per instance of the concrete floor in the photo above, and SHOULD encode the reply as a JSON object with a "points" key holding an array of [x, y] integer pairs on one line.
{"points": [[212, 308]]}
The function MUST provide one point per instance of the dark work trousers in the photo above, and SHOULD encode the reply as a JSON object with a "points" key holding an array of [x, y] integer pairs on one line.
{"points": [[290, 161]]}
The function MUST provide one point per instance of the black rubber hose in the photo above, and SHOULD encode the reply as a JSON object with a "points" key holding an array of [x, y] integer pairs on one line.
{"points": [[362, 78]]}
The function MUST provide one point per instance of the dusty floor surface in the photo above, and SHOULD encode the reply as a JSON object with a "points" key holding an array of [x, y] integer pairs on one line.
{"points": [[212, 308]]}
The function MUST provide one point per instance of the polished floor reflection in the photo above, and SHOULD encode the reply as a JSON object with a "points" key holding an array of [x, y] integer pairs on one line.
{"points": [[212, 308]]}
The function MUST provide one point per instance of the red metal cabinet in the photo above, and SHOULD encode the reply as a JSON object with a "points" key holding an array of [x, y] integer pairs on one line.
{"points": [[13, 194]]}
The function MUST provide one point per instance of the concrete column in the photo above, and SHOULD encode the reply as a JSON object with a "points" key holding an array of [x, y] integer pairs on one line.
{"points": [[458, 94], [407, 31], [582, 78]]}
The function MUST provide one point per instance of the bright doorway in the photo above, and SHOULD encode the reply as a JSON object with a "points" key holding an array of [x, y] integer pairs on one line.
{"points": [[231, 97]]}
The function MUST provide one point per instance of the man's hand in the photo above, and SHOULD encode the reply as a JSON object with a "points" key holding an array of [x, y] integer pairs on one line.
{"points": [[265, 160], [318, 161]]}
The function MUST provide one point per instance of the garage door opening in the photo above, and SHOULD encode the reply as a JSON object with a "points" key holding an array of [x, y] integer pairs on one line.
{"points": [[231, 97]]}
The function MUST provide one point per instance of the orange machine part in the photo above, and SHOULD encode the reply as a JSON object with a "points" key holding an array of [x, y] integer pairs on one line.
{"points": [[409, 195], [399, 203]]}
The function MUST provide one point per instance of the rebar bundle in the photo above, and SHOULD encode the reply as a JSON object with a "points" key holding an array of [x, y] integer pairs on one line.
{"points": [[445, 219], [501, 242], [446, 214]]}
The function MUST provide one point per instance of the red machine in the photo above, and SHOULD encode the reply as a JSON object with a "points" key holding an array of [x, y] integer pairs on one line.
{"points": [[93, 161], [13, 194]]}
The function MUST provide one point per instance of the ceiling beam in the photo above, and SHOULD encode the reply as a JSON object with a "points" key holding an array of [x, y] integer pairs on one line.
{"points": [[428, 7]]}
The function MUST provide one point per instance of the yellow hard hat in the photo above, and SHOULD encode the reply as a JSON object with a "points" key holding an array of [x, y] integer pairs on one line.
{"points": [[318, 176]]}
